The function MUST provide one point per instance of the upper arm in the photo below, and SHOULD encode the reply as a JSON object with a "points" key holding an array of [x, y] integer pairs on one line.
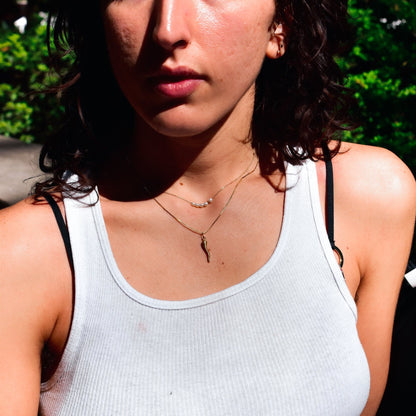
{"points": [[377, 207], [20, 346], [29, 298]]}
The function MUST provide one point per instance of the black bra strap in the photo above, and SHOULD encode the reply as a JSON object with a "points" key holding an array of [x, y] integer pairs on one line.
{"points": [[329, 202], [62, 227]]}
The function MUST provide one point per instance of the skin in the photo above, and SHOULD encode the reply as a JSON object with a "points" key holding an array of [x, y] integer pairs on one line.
{"points": [[192, 147], [143, 36]]}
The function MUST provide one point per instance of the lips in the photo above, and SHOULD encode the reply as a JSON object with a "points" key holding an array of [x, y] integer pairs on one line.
{"points": [[178, 82]]}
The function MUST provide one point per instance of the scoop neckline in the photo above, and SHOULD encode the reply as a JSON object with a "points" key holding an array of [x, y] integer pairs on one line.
{"points": [[165, 304]]}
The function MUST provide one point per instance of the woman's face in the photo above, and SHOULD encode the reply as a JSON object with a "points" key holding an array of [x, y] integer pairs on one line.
{"points": [[186, 65]]}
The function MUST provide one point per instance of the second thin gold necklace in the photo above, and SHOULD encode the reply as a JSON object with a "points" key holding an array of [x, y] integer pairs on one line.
{"points": [[202, 234], [211, 200]]}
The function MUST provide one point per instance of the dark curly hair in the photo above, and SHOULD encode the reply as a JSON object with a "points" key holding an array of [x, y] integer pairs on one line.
{"points": [[300, 99]]}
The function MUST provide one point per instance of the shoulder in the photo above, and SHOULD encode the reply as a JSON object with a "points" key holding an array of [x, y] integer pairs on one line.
{"points": [[32, 298], [28, 231], [374, 177], [375, 199], [375, 208], [33, 259]]}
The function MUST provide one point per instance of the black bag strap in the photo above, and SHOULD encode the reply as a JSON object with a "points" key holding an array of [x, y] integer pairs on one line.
{"points": [[329, 202], [62, 227]]}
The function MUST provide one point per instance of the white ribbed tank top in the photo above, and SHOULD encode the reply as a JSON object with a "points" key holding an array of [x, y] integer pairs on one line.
{"points": [[282, 342]]}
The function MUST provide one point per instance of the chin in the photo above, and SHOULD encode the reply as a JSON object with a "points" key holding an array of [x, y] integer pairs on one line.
{"points": [[180, 125], [176, 130]]}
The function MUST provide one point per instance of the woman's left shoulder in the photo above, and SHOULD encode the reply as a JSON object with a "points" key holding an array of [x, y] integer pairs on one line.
{"points": [[375, 208], [376, 178]]}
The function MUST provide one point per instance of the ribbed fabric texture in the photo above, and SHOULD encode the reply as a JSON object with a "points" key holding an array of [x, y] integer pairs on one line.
{"points": [[282, 342]]}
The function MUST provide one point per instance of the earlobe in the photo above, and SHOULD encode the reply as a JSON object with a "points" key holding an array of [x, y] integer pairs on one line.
{"points": [[276, 46]]}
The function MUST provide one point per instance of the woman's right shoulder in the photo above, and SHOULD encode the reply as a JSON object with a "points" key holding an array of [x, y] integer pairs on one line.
{"points": [[29, 235], [35, 296], [34, 265]]}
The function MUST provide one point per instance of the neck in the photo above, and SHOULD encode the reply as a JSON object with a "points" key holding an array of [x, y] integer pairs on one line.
{"points": [[195, 165]]}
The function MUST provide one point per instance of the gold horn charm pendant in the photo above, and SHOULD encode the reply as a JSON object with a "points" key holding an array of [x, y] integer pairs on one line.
{"points": [[204, 246], [204, 243]]}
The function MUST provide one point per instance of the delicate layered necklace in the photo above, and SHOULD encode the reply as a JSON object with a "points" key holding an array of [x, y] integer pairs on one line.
{"points": [[210, 200], [202, 234]]}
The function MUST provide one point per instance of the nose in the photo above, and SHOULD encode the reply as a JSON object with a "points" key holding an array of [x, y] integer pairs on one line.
{"points": [[172, 23]]}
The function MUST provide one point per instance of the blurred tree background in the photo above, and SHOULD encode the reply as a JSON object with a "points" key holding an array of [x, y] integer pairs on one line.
{"points": [[27, 111], [380, 68]]}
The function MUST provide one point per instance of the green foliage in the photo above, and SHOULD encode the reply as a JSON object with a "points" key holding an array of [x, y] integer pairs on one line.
{"points": [[27, 111], [381, 70], [15, 119]]}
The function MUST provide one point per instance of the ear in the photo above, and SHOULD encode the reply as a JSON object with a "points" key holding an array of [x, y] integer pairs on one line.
{"points": [[276, 46]]}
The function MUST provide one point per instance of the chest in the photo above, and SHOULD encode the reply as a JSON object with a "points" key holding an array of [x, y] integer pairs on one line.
{"points": [[271, 345], [281, 317], [165, 259]]}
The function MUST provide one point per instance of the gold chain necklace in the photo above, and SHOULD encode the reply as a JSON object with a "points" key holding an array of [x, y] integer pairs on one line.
{"points": [[202, 234], [210, 200]]}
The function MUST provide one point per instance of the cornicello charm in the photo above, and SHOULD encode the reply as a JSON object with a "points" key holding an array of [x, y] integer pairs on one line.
{"points": [[204, 245]]}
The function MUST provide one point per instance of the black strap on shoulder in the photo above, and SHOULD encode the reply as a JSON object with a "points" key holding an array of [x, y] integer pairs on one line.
{"points": [[62, 226], [329, 201]]}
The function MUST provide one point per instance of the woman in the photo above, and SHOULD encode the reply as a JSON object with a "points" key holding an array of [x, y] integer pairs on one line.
{"points": [[203, 281]]}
